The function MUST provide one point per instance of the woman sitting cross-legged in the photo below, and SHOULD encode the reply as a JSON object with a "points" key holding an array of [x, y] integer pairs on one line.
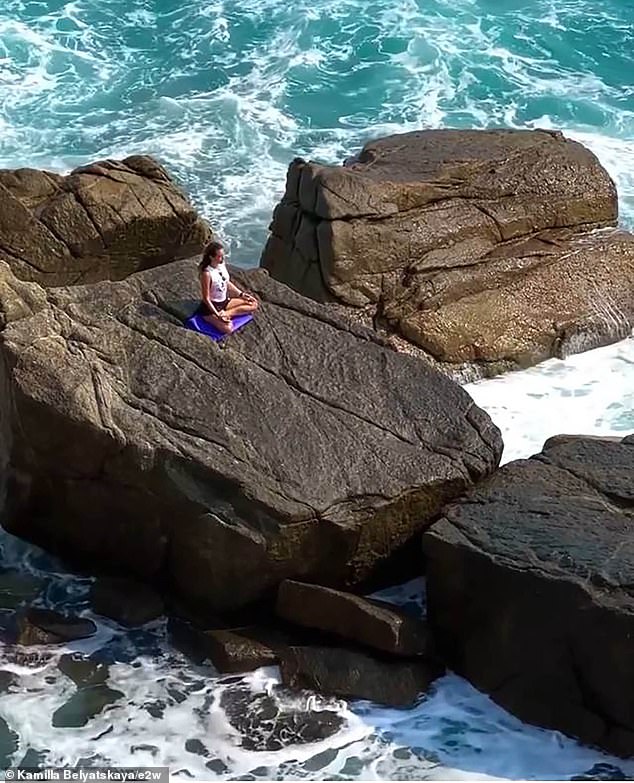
{"points": [[220, 298]]}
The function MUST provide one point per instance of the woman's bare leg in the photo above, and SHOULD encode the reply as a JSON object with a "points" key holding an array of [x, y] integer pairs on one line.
{"points": [[223, 326], [239, 306]]}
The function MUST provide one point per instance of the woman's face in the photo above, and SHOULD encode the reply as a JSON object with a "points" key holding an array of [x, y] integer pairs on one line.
{"points": [[219, 257]]}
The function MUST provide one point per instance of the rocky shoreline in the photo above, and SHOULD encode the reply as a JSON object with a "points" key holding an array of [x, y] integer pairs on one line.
{"points": [[252, 490]]}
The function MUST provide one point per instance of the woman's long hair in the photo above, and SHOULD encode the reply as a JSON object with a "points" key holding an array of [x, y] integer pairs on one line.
{"points": [[209, 253]]}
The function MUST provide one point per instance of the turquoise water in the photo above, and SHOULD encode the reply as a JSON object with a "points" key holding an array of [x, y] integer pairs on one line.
{"points": [[226, 94]]}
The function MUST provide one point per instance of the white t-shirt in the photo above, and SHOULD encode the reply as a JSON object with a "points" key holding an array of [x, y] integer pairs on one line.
{"points": [[218, 279]]}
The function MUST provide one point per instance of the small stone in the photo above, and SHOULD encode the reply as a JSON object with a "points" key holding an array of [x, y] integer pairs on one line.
{"points": [[83, 671]]}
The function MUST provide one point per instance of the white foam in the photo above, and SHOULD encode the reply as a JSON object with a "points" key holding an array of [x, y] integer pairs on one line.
{"points": [[589, 393]]}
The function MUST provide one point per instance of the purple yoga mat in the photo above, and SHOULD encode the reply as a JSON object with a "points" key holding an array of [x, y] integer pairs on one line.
{"points": [[198, 324]]}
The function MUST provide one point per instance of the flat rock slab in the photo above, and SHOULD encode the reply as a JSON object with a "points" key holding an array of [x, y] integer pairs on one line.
{"points": [[469, 248], [44, 626], [101, 221], [354, 675], [241, 649], [530, 588], [372, 623], [305, 448]]}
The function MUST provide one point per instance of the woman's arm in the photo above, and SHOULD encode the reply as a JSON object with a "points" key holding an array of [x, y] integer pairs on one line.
{"points": [[233, 290]]}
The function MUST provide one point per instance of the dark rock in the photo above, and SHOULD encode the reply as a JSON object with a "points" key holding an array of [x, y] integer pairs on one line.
{"points": [[43, 626], [84, 705], [188, 640], [8, 680], [272, 722], [196, 747], [9, 742], [602, 771], [229, 649], [529, 589], [242, 649], [305, 449], [83, 671], [156, 709], [373, 623], [102, 221], [126, 601], [355, 675], [469, 247], [17, 588], [217, 766], [33, 759]]}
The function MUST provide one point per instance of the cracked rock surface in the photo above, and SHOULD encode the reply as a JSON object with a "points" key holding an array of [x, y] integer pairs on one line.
{"points": [[531, 588], [102, 221], [473, 249], [304, 448]]}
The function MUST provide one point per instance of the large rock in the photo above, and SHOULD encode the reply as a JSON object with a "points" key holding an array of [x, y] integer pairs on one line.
{"points": [[304, 448], [530, 588], [102, 221], [352, 674], [462, 245], [373, 623]]}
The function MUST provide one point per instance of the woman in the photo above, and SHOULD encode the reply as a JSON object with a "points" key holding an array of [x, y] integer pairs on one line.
{"points": [[220, 298]]}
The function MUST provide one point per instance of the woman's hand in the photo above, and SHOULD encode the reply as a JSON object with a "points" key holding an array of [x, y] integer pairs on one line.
{"points": [[247, 296]]}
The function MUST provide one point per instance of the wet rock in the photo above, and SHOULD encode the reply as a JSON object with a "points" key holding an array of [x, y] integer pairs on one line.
{"points": [[17, 588], [83, 671], [243, 649], [84, 705], [43, 626], [278, 720], [602, 771], [188, 639], [33, 759], [8, 680], [355, 675], [217, 766], [9, 742], [128, 602], [369, 622], [529, 589], [196, 747], [155, 708]]}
